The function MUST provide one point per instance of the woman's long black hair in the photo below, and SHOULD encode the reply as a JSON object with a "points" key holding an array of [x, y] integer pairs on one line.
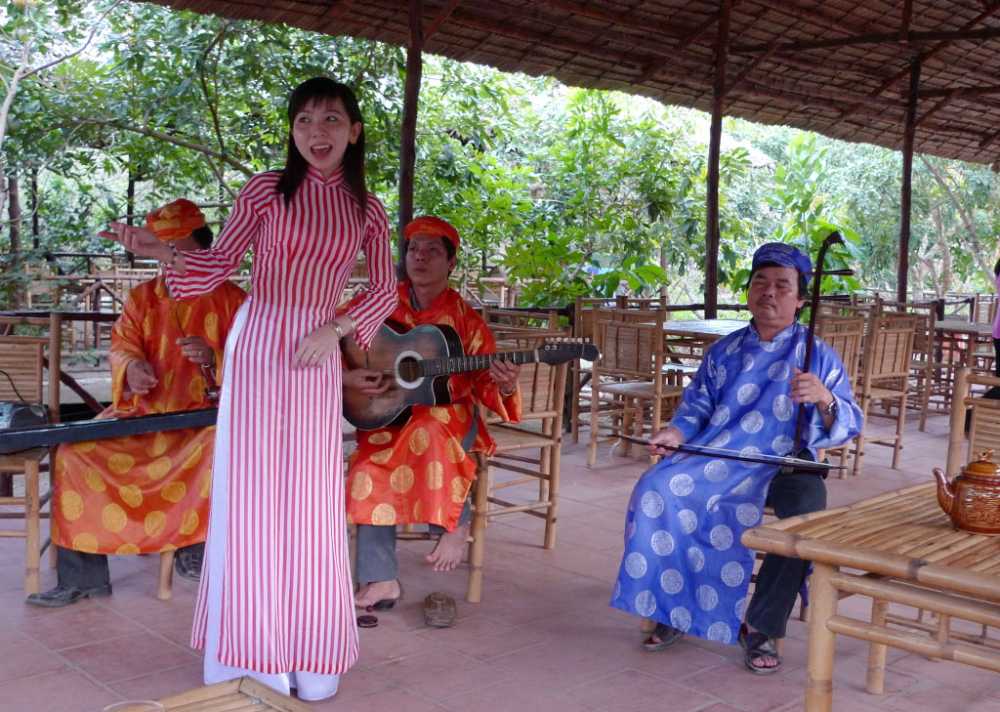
{"points": [[320, 89]]}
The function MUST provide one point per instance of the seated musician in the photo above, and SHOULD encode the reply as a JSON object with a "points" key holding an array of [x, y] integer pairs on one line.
{"points": [[145, 493], [684, 566], [420, 472]]}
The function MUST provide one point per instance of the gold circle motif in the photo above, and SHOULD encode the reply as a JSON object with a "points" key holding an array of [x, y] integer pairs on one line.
{"points": [[85, 447], [159, 445], [168, 381], [131, 495], [205, 489], [120, 463], [418, 509], [382, 456], [174, 491], [384, 515], [459, 489], [154, 523], [113, 517], [85, 542], [441, 414], [94, 480], [189, 523], [212, 327], [434, 475], [127, 550], [196, 388], [401, 479], [159, 468], [420, 440], [361, 485], [460, 412], [71, 504], [380, 437], [193, 459], [454, 449]]}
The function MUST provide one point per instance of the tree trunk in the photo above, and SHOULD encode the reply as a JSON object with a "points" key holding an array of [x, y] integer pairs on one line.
{"points": [[35, 231], [130, 208], [14, 215]]}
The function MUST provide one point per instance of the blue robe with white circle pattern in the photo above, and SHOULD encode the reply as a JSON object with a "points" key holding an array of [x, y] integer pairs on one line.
{"points": [[683, 563]]}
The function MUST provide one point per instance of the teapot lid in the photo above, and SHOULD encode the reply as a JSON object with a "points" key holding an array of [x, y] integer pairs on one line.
{"points": [[984, 466]]}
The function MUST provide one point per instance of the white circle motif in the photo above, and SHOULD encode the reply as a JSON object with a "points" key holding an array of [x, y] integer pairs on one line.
{"points": [[733, 347], [635, 565], [747, 393], [779, 371], [782, 407], [740, 608], [752, 422], [720, 440], [680, 618], [682, 485], [800, 352], [708, 597], [688, 520], [671, 581], [651, 504], [743, 487], [720, 376], [720, 416], [782, 445], [662, 542], [732, 574], [719, 632], [747, 514], [716, 471], [696, 559], [645, 603], [721, 537], [712, 505], [747, 363]]}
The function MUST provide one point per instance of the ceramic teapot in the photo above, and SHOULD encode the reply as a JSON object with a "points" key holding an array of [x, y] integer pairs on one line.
{"points": [[972, 499]]}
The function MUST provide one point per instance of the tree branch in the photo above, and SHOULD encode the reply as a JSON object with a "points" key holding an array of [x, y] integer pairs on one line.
{"points": [[968, 221]]}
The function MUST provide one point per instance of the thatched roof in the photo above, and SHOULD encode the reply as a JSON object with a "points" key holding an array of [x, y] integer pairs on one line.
{"points": [[838, 67]]}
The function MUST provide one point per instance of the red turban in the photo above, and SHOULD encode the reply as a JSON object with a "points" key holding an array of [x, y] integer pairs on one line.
{"points": [[433, 227], [175, 221]]}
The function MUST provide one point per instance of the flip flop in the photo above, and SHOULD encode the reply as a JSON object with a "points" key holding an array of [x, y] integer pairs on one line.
{"points": [[756, 645], [667, 634], [384, 604], [440, 610]]}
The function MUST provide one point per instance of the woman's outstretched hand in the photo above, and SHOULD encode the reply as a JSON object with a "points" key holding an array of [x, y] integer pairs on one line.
{"points": [[140, 241]]}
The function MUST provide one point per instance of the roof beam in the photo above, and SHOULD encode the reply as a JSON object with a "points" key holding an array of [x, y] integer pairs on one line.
{"points": [[631, 21], [442, 17], [912, 38], [961, 91], [692, 36]]}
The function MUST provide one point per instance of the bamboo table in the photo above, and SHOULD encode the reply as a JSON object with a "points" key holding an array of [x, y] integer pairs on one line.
{"points": [[709, 330], [901, 549], [243, 694]]}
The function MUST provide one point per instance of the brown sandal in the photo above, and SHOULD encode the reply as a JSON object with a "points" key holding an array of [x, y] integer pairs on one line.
{"points": [[440, 610]]}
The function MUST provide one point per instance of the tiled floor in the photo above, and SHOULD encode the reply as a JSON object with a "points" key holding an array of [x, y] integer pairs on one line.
{"points": [[543, 638]]}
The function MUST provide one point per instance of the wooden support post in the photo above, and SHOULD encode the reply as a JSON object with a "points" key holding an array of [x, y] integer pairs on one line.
{"points": [[822, 607], [408, 137], [909, 132], [55, 364], [875, 682], [715, 138]]}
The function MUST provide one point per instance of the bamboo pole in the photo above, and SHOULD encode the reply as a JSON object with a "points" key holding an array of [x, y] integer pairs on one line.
{"points": [[408, 130], [822, 642], [477, 549], [956, 424], [875, 679], [714, 144], [909, 134]]}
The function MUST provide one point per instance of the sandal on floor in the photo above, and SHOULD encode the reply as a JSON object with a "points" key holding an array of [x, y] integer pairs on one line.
{"points": [[667, 634], [440, 610], [384, 604], [756, 645]]}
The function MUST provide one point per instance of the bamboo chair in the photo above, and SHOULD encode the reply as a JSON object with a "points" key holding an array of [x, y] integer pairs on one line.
{"points": [[885, 378], [982, 415], [845, 335], [21, 358], [527, 454], [583, 328], [630, 378]]}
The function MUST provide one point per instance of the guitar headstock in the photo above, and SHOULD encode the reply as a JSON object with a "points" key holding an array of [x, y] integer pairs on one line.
{"points": [[555, 351]]}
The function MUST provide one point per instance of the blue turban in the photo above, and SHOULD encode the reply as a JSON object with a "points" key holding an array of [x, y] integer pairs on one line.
{"points": [[778, 253]]}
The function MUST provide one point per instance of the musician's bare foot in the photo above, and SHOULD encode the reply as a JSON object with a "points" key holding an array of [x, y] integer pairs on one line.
{"points": [[449, 550], [377, 591]]}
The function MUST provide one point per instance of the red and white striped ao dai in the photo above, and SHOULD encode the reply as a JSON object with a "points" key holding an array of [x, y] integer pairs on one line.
{"points": [[286, 598]]}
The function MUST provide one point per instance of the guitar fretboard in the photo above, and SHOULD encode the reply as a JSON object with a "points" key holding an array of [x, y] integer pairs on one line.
{"points": [[459, 364]]}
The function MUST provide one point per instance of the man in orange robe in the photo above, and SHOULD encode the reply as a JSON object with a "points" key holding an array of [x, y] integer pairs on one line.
{"points": [[421, 472], [145, 493]]}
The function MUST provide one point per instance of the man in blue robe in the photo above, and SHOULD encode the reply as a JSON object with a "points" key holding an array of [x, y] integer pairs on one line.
{"points": [[683, 564]]}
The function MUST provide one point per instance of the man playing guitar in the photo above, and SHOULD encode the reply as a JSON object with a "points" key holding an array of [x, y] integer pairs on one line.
{"points": [[420, 471]]}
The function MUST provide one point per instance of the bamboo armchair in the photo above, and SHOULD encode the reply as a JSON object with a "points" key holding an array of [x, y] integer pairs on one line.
{"points": [[630, 377], [845, 335], [583, 328], [21, 358], [982, 415], [527, 454], [885, 378]]}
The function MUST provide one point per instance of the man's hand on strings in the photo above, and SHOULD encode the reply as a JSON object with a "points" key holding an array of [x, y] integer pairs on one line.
{"points": [[140, 377], [665, 441], [196, 350], [368, 382], [808, 388], [504, 374]]}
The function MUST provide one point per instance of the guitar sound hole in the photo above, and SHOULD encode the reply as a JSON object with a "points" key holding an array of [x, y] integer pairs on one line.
{"points": [[409, 370]]}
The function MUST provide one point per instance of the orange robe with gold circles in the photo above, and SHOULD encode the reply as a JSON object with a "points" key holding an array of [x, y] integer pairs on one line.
{"points": [[418, 472], [147, 493]]}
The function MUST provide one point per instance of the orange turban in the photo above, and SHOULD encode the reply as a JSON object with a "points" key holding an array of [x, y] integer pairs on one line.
{"points": [[435, 227], [175, 221]]}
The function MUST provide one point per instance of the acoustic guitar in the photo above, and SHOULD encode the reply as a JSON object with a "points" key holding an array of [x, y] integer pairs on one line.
{"points": [[418, 363]]}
